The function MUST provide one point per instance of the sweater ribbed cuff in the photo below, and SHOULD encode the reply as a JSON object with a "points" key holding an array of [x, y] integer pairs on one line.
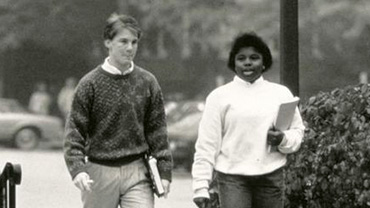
{"points": [[283, 141], [77, 171], [201, 193]]}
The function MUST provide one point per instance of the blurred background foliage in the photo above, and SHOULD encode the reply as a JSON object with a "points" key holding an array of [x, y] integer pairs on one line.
{"points": [[185, 43]]}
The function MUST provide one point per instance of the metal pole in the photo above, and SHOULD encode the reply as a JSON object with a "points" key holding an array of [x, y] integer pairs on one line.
{"points": [[12, 203], [3, 194], [9, 178], [3, 191], [289, 54]]}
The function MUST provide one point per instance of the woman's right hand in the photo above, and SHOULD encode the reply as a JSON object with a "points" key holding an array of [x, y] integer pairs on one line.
{"points": [[201, 202], [83, 181]]}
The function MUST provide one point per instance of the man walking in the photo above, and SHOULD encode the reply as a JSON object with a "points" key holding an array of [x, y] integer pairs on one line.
{"points": [[117, 116]]}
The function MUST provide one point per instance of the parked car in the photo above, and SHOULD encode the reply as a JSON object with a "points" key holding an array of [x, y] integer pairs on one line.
{"points": [[183, 120], [26, 130]]}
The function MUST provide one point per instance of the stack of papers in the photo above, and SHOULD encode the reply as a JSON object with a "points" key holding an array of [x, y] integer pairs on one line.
{"points": [[285, 114]]}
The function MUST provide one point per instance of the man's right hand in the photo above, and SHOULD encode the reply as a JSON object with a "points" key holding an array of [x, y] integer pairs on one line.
{"points": [[201, 202], [83, 181]]}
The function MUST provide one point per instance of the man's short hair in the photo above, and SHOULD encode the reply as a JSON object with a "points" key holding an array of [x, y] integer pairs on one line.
{"points": [[116, 22]]}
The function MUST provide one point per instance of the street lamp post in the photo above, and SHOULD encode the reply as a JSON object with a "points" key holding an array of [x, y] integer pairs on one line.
{"points": [[289, 54]]}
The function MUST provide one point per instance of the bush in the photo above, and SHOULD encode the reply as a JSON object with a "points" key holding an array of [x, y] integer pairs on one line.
{"points": [[332, 168]]}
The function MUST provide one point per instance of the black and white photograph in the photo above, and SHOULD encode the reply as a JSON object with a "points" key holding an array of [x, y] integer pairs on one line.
{"points": [[185, 104]]}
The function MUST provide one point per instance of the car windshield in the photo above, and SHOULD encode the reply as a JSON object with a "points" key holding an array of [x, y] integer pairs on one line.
{"points": [[11, 106]]}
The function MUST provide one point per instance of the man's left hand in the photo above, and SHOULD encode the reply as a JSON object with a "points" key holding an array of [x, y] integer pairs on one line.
{"points": [[166, 186]]}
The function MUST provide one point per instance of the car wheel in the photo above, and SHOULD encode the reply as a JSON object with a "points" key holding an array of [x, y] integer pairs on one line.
{"points": [[26, 139]]}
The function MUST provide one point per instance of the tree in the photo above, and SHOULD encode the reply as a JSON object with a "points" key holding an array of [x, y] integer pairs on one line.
{"points": [[188, 41], [332, 37]]}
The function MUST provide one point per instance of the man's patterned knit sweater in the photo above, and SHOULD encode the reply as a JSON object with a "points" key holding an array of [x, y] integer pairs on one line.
{"points": [[116, 117]]}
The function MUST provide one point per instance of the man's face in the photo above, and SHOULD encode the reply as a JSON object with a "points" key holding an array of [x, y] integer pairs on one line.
{"points": [[122, 48]]}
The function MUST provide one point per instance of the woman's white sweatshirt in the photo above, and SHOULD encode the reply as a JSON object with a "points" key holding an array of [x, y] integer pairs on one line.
{"points": [[232, 136]]}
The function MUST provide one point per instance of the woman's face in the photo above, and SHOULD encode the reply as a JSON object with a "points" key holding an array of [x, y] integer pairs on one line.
{"points": [[249, 64]]}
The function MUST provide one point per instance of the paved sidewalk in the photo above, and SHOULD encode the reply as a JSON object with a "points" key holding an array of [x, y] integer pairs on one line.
{"points": [[46, 183]]}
